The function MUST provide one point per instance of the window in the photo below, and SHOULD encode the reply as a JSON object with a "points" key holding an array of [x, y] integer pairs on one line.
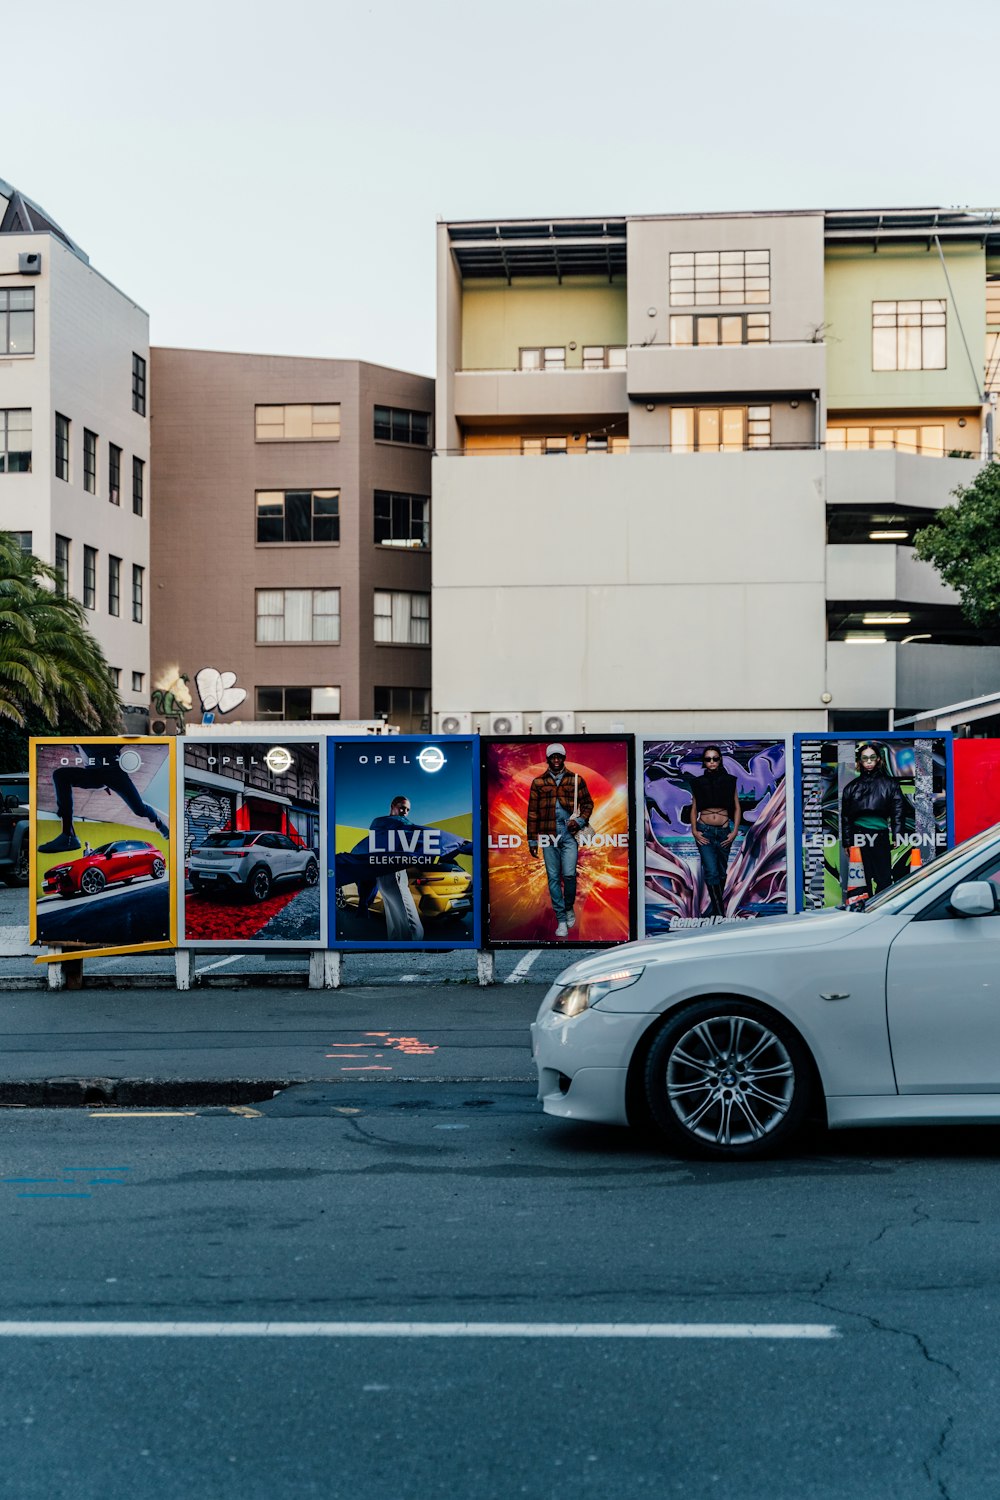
{"points": [[393, 425], [62, 564], [719, 278], [137, 578], [17, 320], [139, 384], [62, 447], [296, 424], [603, 357], [114, 585], [298, 516], [408, 708], [138, 485], [138, 679], [116, 676], [552, 358], [114, 474], [15, 441], [719, 429], [90, 461], [402, 520], [402, 619], [535, 446], [23, 540], [927, 439], [687, 330], [90, 577], [298, 615], [909, 335], [296, 703]]}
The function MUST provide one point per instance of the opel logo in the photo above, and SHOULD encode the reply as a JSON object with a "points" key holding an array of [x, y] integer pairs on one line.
{"points": [[278, 759], [129, 761], [431, 758]]}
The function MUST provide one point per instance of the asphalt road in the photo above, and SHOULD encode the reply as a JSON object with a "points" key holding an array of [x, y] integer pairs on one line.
{"points": [[450, 1204]]}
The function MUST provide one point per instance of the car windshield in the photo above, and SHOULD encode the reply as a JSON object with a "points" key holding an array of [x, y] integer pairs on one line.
{"points": [[228, 840], [103, 849], [898, 895]]}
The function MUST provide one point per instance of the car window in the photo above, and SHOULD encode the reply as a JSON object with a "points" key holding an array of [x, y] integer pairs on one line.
{"points": [[284, 842], [941, 909], [268, 841], [228, 840], [896, 897]]}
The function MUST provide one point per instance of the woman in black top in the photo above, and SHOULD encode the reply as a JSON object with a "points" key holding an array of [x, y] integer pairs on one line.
{"points": [[715, 822], [872, 815]]}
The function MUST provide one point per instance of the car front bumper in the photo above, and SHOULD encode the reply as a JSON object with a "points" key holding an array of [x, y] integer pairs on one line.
{"points": [[583, 1061]]}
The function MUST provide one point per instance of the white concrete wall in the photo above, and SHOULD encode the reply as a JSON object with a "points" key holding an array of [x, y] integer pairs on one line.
{"points": [[85, 334], [650, 584]]}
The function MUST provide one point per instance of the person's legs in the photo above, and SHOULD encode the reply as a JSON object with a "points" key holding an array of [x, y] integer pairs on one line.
{"points": [[876, 856], [117, 780], [553, 871], [402, 920], [64, 779]]}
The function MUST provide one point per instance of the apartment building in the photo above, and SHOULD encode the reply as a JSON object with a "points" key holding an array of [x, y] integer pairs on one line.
{"points": [[74, 432], [757, 412], [291, 541]]}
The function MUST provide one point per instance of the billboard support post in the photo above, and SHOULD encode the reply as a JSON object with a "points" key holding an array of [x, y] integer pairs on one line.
{"points": [[183, 968], [485, 967]]}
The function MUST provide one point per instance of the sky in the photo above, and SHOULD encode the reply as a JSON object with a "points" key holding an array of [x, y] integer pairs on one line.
{"points": [[267, 177]]}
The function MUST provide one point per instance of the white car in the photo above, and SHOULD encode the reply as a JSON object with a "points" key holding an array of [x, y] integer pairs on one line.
{"points": [[725, 1040], [252, 862]]}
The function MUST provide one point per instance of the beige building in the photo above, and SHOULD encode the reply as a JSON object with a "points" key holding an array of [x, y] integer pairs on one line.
{"points": [[291, 541], [757, 411]]}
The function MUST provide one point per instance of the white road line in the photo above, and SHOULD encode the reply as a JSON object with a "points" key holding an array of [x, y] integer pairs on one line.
{"points": [[408, 978], [420, 1330], [516, 975], [220, 963]]}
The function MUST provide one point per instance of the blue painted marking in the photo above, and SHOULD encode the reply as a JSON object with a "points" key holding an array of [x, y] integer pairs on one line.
{"points": [[97, 1169], [106, 1182], [55, 1195], [31, 1179]]}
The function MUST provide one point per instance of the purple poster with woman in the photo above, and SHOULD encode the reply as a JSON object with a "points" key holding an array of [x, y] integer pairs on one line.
{"points": [[715, 832]]}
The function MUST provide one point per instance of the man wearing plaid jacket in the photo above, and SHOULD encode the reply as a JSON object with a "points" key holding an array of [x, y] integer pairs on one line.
{"points": [[559, 805]]}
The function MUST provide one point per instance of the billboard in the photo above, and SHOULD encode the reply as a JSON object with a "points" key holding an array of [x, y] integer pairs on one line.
{"points": [[254, 843], [102, 856], [868, 811], [404, 871], [560, 847], [715, 832]]}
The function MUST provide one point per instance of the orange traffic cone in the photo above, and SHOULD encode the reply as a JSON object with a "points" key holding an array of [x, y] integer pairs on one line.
{"points": [[916, 859]]}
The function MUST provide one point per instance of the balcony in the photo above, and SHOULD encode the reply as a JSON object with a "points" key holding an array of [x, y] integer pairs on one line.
{"points": [[884, 573], [886, 477], [659, 370], [909, 677], [538, 393]]}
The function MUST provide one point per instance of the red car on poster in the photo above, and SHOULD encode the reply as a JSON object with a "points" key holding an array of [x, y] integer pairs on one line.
{"points": [[118, 863]]}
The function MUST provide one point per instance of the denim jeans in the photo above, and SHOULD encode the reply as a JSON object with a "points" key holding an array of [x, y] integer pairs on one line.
{"points": [[714, 853], [560, 867]]}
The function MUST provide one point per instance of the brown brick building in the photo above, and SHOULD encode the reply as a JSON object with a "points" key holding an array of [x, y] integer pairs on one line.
{"points": [[291, 535]]}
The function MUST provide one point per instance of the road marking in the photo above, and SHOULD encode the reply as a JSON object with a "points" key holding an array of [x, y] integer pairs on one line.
{"points": [[244, 1111], [101, 1330], [408, 978], [143, 1114], [220, 963], [516, 975]]}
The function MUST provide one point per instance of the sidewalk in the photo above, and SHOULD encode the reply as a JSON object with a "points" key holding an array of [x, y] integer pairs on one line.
{"points": [[105, 1043]]}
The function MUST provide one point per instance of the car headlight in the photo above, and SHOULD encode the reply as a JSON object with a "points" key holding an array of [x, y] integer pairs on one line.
{"points": [[576, 998]]}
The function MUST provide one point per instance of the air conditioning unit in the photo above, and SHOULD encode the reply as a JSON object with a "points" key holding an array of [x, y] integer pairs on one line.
{"points": [[29, 263], [557, 721], [454, 723], [505, 723]]}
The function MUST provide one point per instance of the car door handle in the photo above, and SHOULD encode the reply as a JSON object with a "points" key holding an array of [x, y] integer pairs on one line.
{"points": [[835, 995]]}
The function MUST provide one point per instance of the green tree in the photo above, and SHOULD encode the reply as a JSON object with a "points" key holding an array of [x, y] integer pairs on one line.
{"points": [[53, 674], [963, 543]]}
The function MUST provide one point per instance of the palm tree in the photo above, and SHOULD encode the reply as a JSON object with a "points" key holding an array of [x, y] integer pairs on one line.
{"points": [[50, 664]]}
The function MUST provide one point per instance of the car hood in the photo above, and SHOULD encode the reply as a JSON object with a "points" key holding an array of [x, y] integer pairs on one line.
{"points": [[804, 930]]}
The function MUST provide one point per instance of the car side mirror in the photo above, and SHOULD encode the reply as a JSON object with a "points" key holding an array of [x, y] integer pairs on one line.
{"points": [[11, 802], [974, 898]]}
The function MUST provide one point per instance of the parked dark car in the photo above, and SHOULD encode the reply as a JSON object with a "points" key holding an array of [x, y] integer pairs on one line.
{"points": [[14, 845]]}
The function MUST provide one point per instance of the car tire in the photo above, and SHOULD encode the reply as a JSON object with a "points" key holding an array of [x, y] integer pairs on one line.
{"points": [[92, 882], [18, 872], [258, 886], [728, 1080], [158, 869], [310, 874]]}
